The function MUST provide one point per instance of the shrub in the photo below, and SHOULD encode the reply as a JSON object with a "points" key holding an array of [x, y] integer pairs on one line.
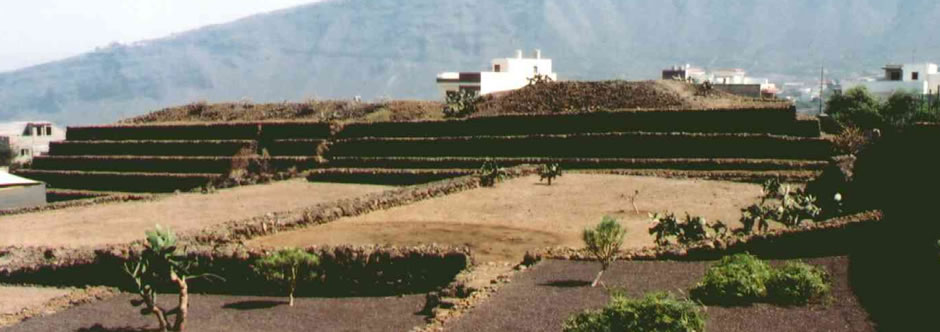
{"points": [[795, 206], [692, 229], [798, 283], [604, 242], [288, 265], [490, 173], [855, 107], [850, 140], [158, 263], [549, 171], [653, 312], [736, 279], [461, 103]]}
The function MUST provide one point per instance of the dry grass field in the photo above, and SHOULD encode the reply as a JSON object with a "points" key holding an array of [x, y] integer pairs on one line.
{"points": [[501, 223], [126, 222]]}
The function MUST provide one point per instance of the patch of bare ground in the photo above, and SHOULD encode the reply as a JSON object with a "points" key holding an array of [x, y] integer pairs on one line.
{"points": [[126, 222], [24, 302], [503, 222], [243, 313], [541, 298]]}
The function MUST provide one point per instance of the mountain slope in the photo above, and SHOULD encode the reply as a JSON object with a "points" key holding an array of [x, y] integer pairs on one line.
{"points": [[378, 48]]}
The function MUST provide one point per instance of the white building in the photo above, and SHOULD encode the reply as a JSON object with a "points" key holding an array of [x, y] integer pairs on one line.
{"points": [[17, 192], [27, 139], [732, 80], [507, 74], [920, 78]]}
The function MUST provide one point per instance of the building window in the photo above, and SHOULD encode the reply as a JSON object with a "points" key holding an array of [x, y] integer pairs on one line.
{"points": [[496, 68], [23, 152], [914, 76], [48, 130], [894, 76]]}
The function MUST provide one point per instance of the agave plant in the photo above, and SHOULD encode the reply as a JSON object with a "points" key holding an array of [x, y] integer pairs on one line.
{"points": [[158, 263]]}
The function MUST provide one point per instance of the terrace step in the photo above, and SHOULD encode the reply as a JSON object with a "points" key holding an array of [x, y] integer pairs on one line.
{"points": [[295, 146], [384, 176], [580, 163], [591, 145], [777, 120], [152, 147], [202, 131], [171, 164], [120, 181], [793, 176]]}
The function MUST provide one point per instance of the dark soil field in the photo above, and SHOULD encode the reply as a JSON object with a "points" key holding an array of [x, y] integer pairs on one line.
{"points": [[240, 313], [541, 298]]}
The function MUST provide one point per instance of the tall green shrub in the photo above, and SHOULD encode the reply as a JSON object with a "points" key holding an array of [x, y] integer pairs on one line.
{"points": [[856, 107], [735, 279], [288, 265], [604, 241], [798, 283], [654, 312]]}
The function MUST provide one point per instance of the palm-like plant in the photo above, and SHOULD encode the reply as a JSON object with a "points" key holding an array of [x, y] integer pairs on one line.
{"points": [[604, 242]]}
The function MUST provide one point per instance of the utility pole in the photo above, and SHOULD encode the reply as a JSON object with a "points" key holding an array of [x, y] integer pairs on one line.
{"points": [[821, 78]]}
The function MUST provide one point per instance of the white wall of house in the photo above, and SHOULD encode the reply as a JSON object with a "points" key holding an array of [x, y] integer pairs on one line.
{"points": [[28, 139], [921, 78]]}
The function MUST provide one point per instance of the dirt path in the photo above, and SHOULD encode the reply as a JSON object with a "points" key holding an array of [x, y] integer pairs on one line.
{"points": [[125, 222], [502, 222], [13, 299]]}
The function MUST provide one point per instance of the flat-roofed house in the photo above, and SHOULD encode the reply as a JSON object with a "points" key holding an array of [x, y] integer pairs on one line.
{"points": [[506, 74], [29, 138]]}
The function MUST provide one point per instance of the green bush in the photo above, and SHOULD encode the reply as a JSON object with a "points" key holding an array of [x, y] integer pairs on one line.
{"points": [[736, 279], [490, 173], [653, 312], [798, 283]]}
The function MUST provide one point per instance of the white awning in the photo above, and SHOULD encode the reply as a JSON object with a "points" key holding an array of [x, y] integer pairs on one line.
{"points": [[10, 180]]}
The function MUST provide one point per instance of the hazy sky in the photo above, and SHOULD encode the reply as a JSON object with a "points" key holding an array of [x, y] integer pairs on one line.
{"points": [[37, 31]]}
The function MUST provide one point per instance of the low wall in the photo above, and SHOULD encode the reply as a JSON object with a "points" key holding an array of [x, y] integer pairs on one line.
{"points": [[344, 270]]}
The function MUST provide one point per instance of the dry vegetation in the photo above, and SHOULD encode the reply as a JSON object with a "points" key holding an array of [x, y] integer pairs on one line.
{"points": [[328, 110], [582, 97], [503, 222], [122, 223], [546, 98]]}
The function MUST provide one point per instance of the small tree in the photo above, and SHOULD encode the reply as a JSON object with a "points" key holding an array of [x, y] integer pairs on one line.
{"points": [[855, 107], [289, 266], [157, 263], [550, 172], [604, 242]]}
